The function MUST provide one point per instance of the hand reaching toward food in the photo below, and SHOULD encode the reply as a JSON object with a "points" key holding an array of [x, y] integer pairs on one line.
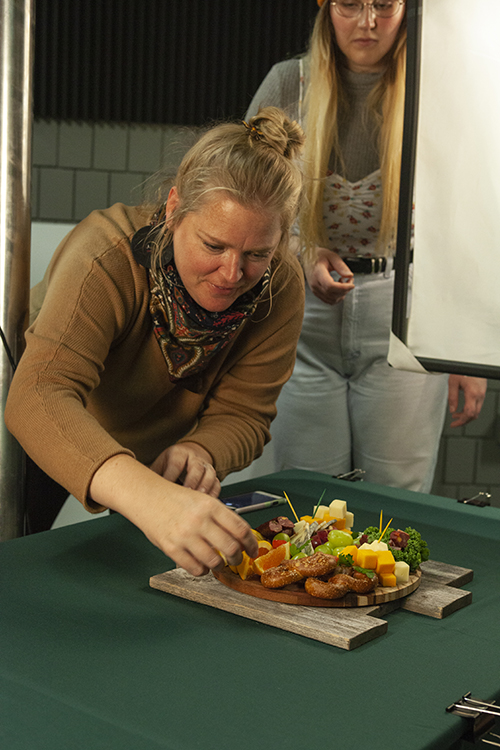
{"points": [[320, 281], [188, 464], [189, 526]]}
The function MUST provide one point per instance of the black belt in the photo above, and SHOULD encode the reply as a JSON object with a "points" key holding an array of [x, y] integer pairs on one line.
{"points": [[369, 265], [366, 265]]}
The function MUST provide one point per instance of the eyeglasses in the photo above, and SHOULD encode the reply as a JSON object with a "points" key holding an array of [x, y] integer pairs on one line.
{"points": [[379, 8]]}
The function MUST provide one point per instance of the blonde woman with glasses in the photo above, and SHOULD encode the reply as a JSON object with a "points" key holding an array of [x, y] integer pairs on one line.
{"points": [[344, 407]]}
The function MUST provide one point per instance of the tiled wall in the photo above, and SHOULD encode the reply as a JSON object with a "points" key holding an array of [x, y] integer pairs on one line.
{"points": [[78, 167], [469, 457]]}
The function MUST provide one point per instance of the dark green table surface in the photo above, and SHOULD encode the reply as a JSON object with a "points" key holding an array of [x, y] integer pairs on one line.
{"points": [[92, 658]]}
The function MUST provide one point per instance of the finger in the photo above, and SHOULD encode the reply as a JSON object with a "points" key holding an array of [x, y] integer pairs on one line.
{"points": [[238, 529], [174, 467], [214, 491], [195, 472], [191, 564], [201, 477], [453, 390], [459, 420]]}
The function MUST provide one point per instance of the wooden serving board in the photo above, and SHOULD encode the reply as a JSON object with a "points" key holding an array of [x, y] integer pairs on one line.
{"points": [[295, 593], [346, 628]]}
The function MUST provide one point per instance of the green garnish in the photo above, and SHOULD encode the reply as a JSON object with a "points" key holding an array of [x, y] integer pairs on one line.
{"points": [[348, 562], [317, 506], [366, 571]]}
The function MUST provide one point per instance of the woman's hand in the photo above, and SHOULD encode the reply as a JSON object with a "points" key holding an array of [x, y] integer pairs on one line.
{"points": [[474, 390], [190, 465], [189, 526], [318, 275]]}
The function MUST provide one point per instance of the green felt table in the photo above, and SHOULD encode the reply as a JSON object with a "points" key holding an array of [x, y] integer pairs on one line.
{"points": [[92, 657]]}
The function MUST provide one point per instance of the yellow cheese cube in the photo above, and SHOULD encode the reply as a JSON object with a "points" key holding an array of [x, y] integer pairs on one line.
{"points": [[402, 572], [338, 508], [385, 562], [352, 550], [387, 579], [321, 511], [366, 558], [349, 519]]}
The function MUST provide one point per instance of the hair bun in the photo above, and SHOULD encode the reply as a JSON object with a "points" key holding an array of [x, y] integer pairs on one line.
{"points": [[272, 127]]}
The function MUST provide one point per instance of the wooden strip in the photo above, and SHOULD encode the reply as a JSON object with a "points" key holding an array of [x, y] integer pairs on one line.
{"points": [[448, 575], [345, 629], [435, 600]]}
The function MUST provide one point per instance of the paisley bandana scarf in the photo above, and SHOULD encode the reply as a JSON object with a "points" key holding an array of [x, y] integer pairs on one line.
{"points": [[188, 335]]}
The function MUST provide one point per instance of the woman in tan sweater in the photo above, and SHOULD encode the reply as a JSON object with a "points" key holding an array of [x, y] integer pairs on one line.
{"points": [[160, 341]]}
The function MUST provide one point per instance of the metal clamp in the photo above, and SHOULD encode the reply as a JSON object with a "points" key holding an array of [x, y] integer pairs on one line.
{"points": [[356, 475], [480, 714], [476, 500]]}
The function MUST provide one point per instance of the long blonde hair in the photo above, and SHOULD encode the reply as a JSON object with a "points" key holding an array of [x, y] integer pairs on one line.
{"points": [[324, 98]]}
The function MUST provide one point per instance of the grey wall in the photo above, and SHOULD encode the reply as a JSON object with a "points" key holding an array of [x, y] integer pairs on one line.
{"points": [[79, 167]]}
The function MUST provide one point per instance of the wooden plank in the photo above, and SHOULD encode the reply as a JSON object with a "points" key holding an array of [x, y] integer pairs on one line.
{"points": [[436, 600], [346, 629], [448, 575]]}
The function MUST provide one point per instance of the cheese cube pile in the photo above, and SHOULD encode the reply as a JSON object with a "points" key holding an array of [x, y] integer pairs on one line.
{"points": [[336, 511]]}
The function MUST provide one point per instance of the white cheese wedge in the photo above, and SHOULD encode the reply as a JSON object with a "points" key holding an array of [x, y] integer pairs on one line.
{"points": [[338, 508], [402, 572], [376, 546], [300, 526], [320, 512]]}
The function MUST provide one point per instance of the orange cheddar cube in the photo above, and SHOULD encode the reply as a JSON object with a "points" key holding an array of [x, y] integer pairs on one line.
{"points": [[367, 558], [387, 579], [385, 562], [309, 519], [352, 550], [339, 523]]}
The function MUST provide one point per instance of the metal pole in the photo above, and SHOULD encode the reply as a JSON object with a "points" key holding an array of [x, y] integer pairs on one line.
{"points": [[16, 50]]}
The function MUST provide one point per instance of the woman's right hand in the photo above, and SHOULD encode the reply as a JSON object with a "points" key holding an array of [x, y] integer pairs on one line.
{"points": [[321, 283], [189, 526]]}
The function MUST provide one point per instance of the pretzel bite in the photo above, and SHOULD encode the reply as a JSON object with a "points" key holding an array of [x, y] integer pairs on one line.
{"points": [[339, 585], [361, 584], [316, 565], [335, 588], [283, 574]]}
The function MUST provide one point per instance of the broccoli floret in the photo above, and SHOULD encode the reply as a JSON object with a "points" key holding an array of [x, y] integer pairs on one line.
{"points": [[415, 552]]}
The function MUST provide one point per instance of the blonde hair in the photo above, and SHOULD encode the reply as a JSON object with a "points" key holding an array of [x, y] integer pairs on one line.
{"points": [[324, 98], [253, 163]]}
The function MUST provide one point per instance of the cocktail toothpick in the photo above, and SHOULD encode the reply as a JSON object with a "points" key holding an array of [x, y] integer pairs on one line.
{"points": [[382, 534], [291, 506], [380, 524]]}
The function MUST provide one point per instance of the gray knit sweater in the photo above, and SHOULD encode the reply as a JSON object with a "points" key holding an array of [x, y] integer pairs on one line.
{"points": [[358, 133]]}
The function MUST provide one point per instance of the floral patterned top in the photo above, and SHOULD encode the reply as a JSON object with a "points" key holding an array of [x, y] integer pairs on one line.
{"points": [[352, 214]]}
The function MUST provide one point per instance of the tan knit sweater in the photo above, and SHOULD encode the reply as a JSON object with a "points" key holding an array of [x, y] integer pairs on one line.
{"points": [[93, 383]]}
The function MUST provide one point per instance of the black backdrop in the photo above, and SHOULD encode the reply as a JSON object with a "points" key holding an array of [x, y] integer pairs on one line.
{"points": [[160, 61]]}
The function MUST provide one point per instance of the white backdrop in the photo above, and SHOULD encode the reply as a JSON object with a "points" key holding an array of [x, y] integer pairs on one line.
{"points": [[455, 301]]}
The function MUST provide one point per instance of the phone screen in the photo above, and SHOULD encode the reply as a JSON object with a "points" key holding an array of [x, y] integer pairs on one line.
{"points": [[253, 501]]}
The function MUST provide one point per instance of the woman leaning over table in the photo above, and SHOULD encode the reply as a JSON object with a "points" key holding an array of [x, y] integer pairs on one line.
{"points": [[161, 339], [344, 406]]}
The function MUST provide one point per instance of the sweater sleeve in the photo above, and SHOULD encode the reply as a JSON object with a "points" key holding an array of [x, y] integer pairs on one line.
{"points": [[88, 306], [234, 425], [280, 88]]}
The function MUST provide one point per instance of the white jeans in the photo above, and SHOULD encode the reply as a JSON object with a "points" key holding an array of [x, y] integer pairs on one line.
{"points": [[344, 407]]}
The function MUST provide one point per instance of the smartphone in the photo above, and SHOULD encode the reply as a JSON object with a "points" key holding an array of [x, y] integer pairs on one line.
{"points": [[253, 501]]}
